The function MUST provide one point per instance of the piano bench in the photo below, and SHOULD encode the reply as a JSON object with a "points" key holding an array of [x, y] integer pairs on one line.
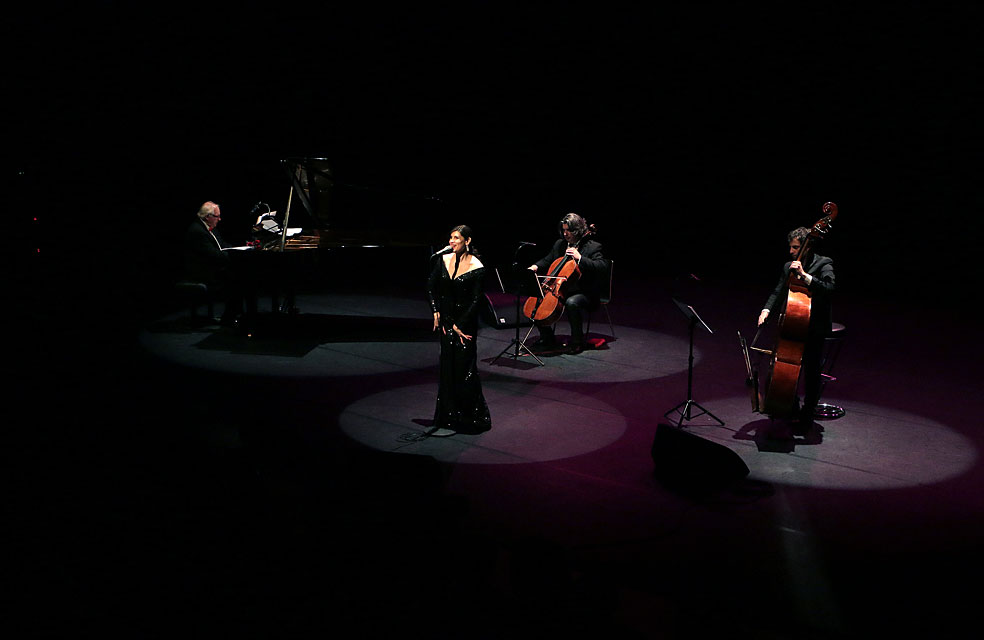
{"points": [[194, 294]]}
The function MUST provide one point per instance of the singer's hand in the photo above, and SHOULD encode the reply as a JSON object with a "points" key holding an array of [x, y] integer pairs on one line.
{"points": [[462, 336], [437, 320]]}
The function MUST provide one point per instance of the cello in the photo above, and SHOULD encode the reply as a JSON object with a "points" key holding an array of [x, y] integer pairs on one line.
{"points": [[778, 399], [547, 308]]}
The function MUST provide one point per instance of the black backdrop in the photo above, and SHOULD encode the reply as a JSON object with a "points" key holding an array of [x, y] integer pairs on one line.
{"points": [[693, 137]]}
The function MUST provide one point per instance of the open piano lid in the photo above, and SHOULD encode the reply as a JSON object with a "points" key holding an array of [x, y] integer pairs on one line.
{"points": [[349, 215], [311, 183]]}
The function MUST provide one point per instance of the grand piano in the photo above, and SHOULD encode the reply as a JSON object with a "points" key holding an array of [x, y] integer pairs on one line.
{"points": [[286, 249], [324, 223]]}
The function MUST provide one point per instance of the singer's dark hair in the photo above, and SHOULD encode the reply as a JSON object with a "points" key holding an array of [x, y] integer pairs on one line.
{"points": [[466, 233]]}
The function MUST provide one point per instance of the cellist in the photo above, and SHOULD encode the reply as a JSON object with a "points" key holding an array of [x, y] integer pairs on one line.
{"points": [[582, 294], [816, 272]]}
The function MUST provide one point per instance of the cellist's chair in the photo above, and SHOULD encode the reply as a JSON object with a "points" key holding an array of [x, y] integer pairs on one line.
{"points": [[606, 298], [832, 346]]}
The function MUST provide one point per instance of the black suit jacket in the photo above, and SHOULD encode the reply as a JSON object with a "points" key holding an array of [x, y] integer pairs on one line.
{"points": [[821, 288], [593, 266], [204, 260]]}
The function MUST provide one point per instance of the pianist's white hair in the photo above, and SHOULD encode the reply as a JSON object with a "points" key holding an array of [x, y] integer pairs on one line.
{"points": [[207, 209]]}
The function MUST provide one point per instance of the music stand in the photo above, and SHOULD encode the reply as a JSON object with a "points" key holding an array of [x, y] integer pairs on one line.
{"points": [[516, 344], [684, 407]]}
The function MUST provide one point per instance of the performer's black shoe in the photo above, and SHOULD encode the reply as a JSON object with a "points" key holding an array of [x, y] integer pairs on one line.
{"points": [[802, 421], [576, 346], [800, 427], [546, 345]]}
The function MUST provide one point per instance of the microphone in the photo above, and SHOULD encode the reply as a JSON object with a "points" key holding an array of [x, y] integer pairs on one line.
{"points": [[446, 249]]}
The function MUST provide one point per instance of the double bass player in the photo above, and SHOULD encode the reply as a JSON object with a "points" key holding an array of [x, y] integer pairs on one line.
{"points": [[583, 294], [816, 273]]}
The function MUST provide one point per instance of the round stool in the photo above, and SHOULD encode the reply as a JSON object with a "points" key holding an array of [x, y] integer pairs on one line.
{"points": [[832, 346], [194, 294]]}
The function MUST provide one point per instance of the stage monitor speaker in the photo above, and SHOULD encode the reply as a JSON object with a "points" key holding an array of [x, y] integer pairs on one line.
{"points": [[500, 311], [687, 461]]}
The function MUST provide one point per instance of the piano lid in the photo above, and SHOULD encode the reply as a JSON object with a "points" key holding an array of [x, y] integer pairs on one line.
{"points": [[311, 184], [353, 215]]}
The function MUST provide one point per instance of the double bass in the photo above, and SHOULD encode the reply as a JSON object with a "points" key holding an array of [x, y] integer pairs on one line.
{"points": [[778, 396], [547, 308]]}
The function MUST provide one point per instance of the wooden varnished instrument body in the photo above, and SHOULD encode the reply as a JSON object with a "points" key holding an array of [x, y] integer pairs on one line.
{"points": [[547, 309], [779, 395]]}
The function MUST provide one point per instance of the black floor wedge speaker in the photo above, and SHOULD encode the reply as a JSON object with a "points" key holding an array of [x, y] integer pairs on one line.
{"points": [[687, 461]]}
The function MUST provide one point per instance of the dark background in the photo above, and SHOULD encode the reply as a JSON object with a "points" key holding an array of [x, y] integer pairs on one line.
{"points": [[694, 137]]}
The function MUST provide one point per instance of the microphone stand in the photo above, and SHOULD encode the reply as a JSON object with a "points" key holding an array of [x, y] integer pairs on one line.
{"points": [[520, 345], [684, 407]]}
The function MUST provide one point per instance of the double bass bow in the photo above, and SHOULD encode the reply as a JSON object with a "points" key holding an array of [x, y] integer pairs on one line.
{"points": [[778, 397], [547, 308]]}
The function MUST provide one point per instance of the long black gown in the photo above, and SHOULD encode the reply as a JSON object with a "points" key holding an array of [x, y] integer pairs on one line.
{"points": [[460, 404]]}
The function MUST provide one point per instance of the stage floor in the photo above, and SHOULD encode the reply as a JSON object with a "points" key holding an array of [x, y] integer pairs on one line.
{"points": [[290, 457], [570, 405]]}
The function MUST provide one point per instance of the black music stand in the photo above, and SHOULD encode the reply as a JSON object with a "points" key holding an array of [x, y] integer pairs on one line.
{"points": [[684, 407], [528, 286]]}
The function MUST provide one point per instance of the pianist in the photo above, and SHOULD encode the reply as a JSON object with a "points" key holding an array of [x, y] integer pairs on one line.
{"points": [[205, 261]]}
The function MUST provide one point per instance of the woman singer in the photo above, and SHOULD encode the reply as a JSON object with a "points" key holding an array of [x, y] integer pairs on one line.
{"points": [[455, 291]]}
